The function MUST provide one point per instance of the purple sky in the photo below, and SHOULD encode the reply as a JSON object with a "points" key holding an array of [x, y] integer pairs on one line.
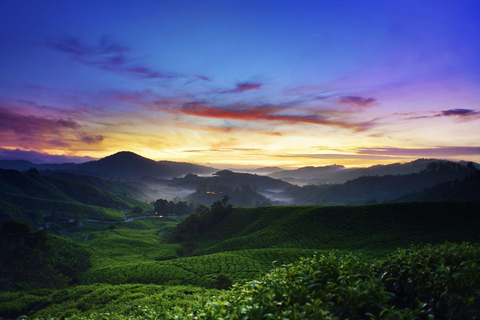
{"points": [[287, 83]]}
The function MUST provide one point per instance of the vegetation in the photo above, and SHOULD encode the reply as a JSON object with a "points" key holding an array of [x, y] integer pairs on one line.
{"points": [[33, 198], [373, 230], [422, 282], [328, 262], [31, 259]]}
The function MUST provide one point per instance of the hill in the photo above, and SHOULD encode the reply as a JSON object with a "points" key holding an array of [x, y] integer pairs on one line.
{"points": [[338, 174], [35, 197], [123, 165], [467, 189], [374, 189], [117, 187], [372, 229], [130, 166]]}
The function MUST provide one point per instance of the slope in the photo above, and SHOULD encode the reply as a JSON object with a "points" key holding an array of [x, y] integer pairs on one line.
{"points": [[372, 229]]}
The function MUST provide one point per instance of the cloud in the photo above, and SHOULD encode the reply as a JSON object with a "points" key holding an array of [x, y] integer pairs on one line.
{"points": [[91, 139], [29, 125], [464, 114], [242, 87], [358, 101], [459, 113], [203, 78], [335, 156], [39, 157], [446, 151], [107, 55], [262, 113]]}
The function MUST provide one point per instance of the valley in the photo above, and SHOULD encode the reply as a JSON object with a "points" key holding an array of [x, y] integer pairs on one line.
{"points": [[84, 247]]}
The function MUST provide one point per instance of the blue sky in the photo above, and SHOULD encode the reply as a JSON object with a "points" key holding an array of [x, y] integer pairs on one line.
{"points": [[287, 83]]}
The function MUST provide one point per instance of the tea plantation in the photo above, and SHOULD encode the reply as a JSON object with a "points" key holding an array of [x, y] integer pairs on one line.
{"points": [[288, 263]]}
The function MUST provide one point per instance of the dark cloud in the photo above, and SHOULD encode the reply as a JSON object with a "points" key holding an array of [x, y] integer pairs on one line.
{"points": [[242, 87], [358, 101], [107, 55], [39, 157], [459, 113], [29, 125], [91, 139], [447, 151]]}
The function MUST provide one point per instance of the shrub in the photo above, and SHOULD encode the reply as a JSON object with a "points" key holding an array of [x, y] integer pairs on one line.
{"points": [[443, 280], [316, 288]]}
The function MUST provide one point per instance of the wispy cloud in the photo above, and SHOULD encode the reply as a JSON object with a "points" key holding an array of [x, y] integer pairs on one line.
{"points": [[91, 139], [106, 55], [335, 156], [263, 113], [40, 157], [242, 87], [358, 101], [446, 151], [459, 113], [29, 125]]}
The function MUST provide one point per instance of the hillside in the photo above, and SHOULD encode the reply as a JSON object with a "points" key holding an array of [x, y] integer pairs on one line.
{"points": [[130, 166], [374, 189], [123, 165], [339, 174], [371, 229], [36, 197], [467, 189], [117, 187]]}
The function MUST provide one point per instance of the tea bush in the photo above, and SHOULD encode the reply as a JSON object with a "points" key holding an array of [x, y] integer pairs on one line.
{"points": [[443, 279]]}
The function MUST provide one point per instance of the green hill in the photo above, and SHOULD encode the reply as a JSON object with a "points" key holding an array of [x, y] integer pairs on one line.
{"points": [[371, 229], [30, 197]]}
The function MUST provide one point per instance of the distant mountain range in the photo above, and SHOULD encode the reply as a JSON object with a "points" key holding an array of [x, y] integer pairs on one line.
{"points": [[128, 174], [122, 165], [340, 174]]}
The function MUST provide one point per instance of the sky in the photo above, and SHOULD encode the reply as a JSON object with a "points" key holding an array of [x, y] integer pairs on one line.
{"points": [[245, 83]]}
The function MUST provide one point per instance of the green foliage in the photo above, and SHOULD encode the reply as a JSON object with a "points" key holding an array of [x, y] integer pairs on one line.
{"points": [[444, 279], [35, 259], [322, 287], [373, 230], [199, 270], [31, 197], [201, 220], [102, 301]]}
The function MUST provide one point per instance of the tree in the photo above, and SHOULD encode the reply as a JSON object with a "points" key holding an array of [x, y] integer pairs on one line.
{"points": [[112, 227], [137, 210]]}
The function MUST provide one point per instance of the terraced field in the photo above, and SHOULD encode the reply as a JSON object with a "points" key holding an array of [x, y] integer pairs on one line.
{"points": [[372, 230], [200, 270]]}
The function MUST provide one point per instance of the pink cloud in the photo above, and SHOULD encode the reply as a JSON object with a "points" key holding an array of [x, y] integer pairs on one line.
{"points": [[262, 113]]}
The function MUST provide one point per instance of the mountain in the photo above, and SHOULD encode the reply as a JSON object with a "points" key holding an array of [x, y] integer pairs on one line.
{"points": [[123, 165], [307, 174], [372, 189], [340, 174], [130, 166], [24, 165], [467, 189]]}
